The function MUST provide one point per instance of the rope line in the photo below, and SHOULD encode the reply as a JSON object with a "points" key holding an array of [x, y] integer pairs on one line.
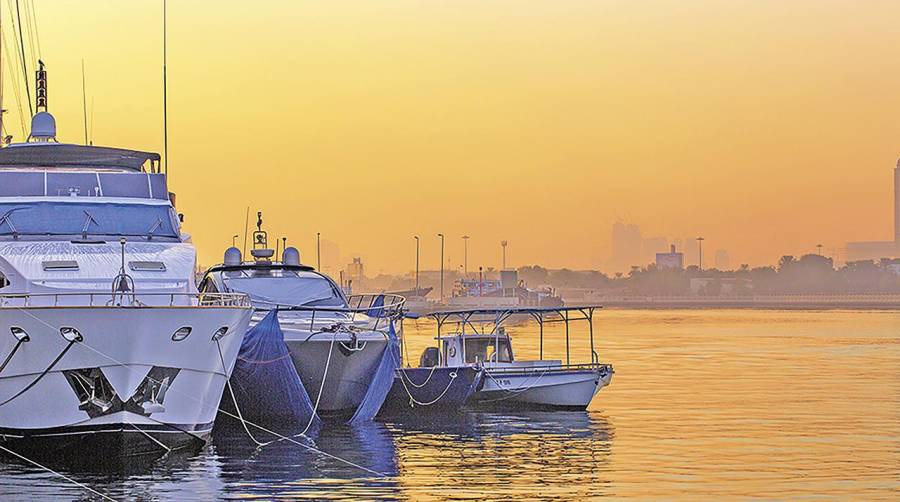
{"points": [[220, 410], [42, 375], [61, 475], [453, 376], [11, 354], [430, 373], [24, 67], [511, 393], [321, 386], [234, 399]]}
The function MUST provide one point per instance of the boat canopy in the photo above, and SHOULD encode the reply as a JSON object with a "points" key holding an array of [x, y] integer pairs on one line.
{"points": [[284, 287], [39, 155]]}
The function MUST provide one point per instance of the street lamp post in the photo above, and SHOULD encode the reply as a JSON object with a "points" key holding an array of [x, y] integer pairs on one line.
{"points": [[503, 244], [700, 241], [442, 265], [318, 251], [465, 239], [819, 249], [417, 264], [234, 240]]}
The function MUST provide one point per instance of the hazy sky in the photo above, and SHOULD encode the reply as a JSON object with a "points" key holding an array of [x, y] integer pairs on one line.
{"points": [[765, 126]]}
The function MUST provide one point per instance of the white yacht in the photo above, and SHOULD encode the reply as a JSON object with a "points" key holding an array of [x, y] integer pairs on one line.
{"points": [[335, 344], [106, 349]]}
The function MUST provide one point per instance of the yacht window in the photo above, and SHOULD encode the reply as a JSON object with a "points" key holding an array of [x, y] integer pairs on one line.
{"points": [[51, 265], [3, 281], [488, 349], [284, 287], [88, 219], [147, 266]]}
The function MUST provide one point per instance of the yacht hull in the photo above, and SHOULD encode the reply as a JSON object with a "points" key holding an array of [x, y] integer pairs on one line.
{"points": [[439, 389], [545, 389], [347, 372], [127, 388]]}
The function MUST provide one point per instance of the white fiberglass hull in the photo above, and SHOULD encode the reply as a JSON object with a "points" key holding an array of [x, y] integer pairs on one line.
{"points": [[347, 372], [126, 385], [541, 388]]}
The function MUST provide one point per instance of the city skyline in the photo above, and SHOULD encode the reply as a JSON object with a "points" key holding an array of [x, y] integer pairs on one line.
{"points": [[773, 132]]}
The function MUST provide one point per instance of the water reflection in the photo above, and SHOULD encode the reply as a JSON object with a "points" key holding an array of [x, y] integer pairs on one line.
{"points": [[704, 404]]}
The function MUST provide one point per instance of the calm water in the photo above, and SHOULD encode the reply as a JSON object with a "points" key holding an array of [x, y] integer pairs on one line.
{"points": [[704, 404]]}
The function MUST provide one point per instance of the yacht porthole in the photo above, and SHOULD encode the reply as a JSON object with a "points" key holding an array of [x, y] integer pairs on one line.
{"points": [[70, 334], [220, 333], [181, 333], [19, 333]]}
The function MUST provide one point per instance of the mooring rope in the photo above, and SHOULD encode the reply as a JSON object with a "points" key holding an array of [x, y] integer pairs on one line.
{"points": [[46, 370], [189, 396], [511, 393], [12, 353], [453, 376], [59, 474], [234, 399], [315, 410], [426, 380]]}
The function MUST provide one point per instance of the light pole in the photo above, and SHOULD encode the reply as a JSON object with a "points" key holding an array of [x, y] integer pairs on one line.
{"points": [[503, 244], [442, 265], [700, 241], [465, 239], [318, 251], [283, 247], [819, 249], [234, 240], [417, 264]]}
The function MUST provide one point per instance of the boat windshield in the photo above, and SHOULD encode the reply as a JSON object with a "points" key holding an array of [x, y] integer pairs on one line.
{"points": [[488, 349], [81, 219], [270, 287]]}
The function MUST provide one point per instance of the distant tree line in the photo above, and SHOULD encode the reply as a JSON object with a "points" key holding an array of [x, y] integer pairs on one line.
{"points": [[809, 274]]}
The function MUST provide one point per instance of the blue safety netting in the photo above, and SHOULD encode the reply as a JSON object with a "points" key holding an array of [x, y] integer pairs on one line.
{"points": [[384, 376], [266, 385]]}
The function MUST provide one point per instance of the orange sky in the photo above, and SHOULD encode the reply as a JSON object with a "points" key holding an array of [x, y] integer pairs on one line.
{"points": [[767, 127]]}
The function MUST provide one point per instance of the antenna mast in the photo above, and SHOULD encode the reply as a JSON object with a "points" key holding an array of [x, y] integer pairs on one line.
{"points": [[24, 67], [165, 103], [2, 111], [84, 102]]}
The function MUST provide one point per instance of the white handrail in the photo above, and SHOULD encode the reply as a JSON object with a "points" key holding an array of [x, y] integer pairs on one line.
{"points": [[71, 299]]}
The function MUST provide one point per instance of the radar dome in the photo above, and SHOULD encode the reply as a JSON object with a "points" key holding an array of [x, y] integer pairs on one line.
{"points": [[291, 256], [43, 127], [232, 256]]}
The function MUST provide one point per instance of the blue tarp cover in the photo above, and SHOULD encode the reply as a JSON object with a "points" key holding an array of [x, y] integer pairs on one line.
{"points": [[384, 376], [266, 385]]}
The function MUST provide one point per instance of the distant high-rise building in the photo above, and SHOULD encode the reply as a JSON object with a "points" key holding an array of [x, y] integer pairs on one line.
{"points": [[722, 261], [355, 270], [897, 202], [873, 250], [626, 247], [672, 259]]}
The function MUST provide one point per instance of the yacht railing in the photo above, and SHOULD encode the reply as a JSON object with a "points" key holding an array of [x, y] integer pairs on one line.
{"points": [[150, 300], [375, 308], [547, 368]]}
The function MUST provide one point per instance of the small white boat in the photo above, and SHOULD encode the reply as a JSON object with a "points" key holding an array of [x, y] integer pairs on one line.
{"points": [[511, 383]]}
